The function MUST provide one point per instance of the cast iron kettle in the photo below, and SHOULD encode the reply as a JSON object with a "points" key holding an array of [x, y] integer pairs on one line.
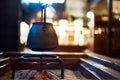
{"points": [[42, 36]]}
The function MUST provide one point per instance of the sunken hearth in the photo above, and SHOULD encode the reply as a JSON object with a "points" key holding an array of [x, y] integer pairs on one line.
{"points": [[77, 66]]}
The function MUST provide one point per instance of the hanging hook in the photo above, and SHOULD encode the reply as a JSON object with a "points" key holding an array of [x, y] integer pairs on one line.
{"points": [[44, 6]]}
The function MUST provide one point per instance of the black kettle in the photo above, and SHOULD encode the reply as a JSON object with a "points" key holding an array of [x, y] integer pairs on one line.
{"points": [[42, 37]]}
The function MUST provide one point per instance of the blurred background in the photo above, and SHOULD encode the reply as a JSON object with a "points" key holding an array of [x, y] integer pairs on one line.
{"points": [[79, 24]]}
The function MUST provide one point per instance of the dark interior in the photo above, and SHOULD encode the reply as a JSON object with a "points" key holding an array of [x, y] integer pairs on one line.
{"points": [[103, 51]]}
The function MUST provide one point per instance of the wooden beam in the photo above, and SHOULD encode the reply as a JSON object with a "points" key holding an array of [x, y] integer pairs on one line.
{"points": [[109, 4]]}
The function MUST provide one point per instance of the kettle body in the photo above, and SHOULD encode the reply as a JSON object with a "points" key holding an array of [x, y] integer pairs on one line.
{"points": [[42, 37]]}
